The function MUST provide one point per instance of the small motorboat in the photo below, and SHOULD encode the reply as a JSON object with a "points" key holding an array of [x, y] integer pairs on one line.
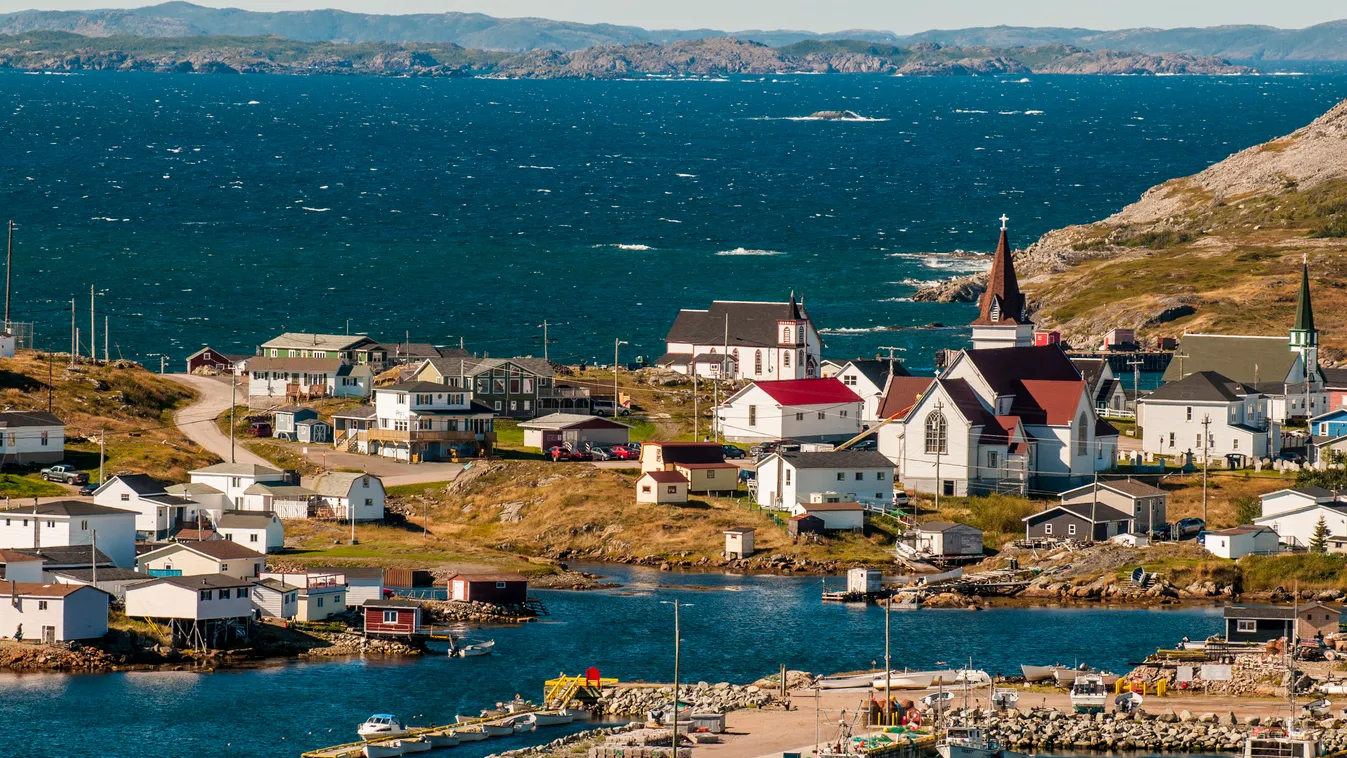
{"points": [[472, 734], [1005, 698], [971, 742], [899, 680], [1037, 673], [1318, 708], [1109, 678], [498, 730], [577, 714], [415, 745], [1088, 694], [381, 725], [390, 749], [553, 718], [1128, 702], [846, 681], [480, 648], [936, 701], [973, 678], [525, 724], [442, 739]]}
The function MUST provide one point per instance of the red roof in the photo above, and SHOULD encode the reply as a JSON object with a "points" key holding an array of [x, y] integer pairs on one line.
{"points": [[666, 477], [1003, 433], [809, 391], [1050, 402], [903, 393]]}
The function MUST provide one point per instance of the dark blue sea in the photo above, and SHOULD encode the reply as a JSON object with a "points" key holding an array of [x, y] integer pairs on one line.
{"points": [[736, 629], [222, 210]]}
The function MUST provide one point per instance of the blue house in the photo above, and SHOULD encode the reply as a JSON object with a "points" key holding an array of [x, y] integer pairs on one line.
{"points": [[286, 419], [1331, 424]]}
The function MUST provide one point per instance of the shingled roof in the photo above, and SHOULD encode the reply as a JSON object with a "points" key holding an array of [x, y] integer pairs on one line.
{"points": [[1201, 387], [751, 324], [1245, 359], [1002, 302]]}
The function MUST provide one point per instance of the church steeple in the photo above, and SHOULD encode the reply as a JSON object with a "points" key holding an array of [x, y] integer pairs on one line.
{"points": [[1304, 311], [1003, 318]]}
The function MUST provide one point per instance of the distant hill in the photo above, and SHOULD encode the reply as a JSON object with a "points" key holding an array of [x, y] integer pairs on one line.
{"points": [[1326, 41]]}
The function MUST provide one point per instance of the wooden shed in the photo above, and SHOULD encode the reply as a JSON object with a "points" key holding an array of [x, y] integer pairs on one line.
{"points": [[946, 539], [805, 523], [739, 542], [393, 617], [499, 589], [574, 428], [313, 430], [662, 487]]}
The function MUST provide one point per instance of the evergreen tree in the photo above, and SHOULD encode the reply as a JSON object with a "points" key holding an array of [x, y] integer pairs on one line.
{"points": [[1319, 540]]}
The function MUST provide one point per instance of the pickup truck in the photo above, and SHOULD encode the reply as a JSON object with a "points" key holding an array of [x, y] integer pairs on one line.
{"points": [[65, 473]]}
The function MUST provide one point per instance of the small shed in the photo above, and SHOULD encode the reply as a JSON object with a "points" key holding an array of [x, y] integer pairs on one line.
{"points": [[556, 429], [313, 430], [662, 487], [948, 539], [804, 524], [499, 589], [1239, 541], [1263, 623], [836, 517], [391, 617], [275, 599], [210, 358], [865, 581], [285, 418], [739, 542]]}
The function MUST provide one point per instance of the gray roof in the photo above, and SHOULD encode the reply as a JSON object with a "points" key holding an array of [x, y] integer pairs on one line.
{"points": [[839, 459], [1090, 368], [66, 508], [1245, 359], [1201, 387], [113, 574], [14, 419], [202, 581], [1271, 612], [418, 386], [412, 350], [141, 484], [276, 585], [192, 488], [1101, 512], [167, 499], [1129, 487], [364, 411], [245, 519], [391, 603], [312, 365], [554, 421], [751, 324], [1334, 377], [877, 370], [338, 483], [942, 526], [278, 489], [237, 469], [312, 422], [71, 555], [309, 341], [363, 572]]}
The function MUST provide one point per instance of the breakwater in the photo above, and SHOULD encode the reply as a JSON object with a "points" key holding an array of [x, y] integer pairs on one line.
{"points": [[1167, 732]]}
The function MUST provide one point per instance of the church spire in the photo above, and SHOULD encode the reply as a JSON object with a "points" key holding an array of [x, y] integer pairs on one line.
{"points": [[1002, 303], [1304, 311]]}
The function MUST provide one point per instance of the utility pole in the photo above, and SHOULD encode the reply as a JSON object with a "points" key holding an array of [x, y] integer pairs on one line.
{"points": [[233, 402], [93, 558], [542, 326], [73, 333], [9, 270], [696, 416], [1206, 424], [161, 363], [1136, 389], [677, 648], [105, 338], [51, 377], [93, 350], [720, 375], [616, 343], [1094, 507], [102, 451], [939, 448]]}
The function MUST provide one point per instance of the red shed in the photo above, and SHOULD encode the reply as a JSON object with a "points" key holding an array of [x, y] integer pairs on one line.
{"points": [[209, 357], [392, 617], [500, 589]]}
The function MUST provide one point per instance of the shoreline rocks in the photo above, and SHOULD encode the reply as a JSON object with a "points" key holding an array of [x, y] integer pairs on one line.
{"points": [[701, 696]]}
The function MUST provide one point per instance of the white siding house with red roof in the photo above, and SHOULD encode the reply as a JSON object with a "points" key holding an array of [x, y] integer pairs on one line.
{"points": [[805, 410]]}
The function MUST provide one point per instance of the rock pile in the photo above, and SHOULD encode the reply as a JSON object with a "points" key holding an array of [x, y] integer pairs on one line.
{"points": [[569, 743], [459, 611], [348, 643], [714, 698], [1168, 732], [64, 657]]}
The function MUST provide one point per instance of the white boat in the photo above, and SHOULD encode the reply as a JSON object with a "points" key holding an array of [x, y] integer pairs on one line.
{"points": [[415, 745], [480, 648], [1088, 694], [971, 742], [381, 725], [526, 724], [441, 739], [577, 714], [1005, 698], [916, 680], [1128, 702], [1274, 743], [845, 682], [1065, 676], [1318, 708], [470, 735], [498, 730], [544, 718], [973, 678], [936, 701], [1037, 673], [389, 749]]}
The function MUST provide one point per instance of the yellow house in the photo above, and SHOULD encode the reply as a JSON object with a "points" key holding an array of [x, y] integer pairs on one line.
{"points": [[198, 558], [702, 464]]}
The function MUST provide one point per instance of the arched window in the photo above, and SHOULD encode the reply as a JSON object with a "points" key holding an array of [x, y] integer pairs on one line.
{"points": [[935, 433], [785, 335], [757, 362], [1082, 435], [995, 310], [785, 358]]}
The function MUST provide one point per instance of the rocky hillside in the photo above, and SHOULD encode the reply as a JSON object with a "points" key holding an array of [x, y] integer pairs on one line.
{"points": [[62, 51], [1219, 250]]}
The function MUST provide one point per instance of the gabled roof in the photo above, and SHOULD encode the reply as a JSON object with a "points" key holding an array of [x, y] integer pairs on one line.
{"points": [[942, 526], [966, 402], [275, 585], [877, 369], [1273, 612], [1002, 432], [836, 459], [1102, 513], [198, 581], [17, 419], [35, 589], [787, 392], [1046, 401], [665, 477], [902, 393], [338, 483], [1005, 368], [88, 575], [1090, 368], [1304, 310], [751, 324], [490, 577], [689, 452], [67, 508], [245, 519], [1128, 487], [830, 507], [141, 484], [1201, 387], [278, 490], [1244, 359], [68, 555], [557, 421], [307, 365], [1335, 378], [1317, 493], [238, 469], [412, 350], [390, 603], [1236, 531], [220, 550], [420, 386], [1002, 302], [10, 555], [309, 341], [187, 489]]}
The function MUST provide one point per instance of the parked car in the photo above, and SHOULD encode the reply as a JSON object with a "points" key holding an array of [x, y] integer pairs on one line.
{"points": [[1293, 456], [900, 499], [1163, 531], [599, 453], [65, 474], [1190, 527], [605, 408], [869, 443], [747, 475], [557, 454], [733, 453], [88, 489], [623, 453]]}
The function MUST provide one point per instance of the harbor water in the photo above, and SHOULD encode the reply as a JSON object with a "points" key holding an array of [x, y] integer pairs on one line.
{"points": [[736, 628]]}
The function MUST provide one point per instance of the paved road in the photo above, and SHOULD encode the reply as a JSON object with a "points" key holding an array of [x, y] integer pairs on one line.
{"points": [[197, 420]]}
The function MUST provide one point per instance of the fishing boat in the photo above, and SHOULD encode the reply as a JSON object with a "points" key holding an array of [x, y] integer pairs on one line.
{"points": [[936, 701], [916, 680], [1088, 694], [1317, 708], [1037, 673], [1005, 698], [845, 681], [390, 749], [971, 742], [524, 724], [442, 739], [577, 714], [473, 734], [973, 677], [553, 718], [480, 648], [381, 725], [498, 730], [415, 745], [1128, 702]]}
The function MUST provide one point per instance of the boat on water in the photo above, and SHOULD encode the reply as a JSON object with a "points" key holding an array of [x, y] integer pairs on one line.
{"points": [[577, 714], [1038, 673], [381, 725], [415, 745], [1089, 694], [525, 724], [498, 730], [442, 739], [390, 749], [971, 742], [480, 648], [553, 718], [473, 734]]}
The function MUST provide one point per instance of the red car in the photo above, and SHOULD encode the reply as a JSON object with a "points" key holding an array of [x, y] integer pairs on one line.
{"points": [[623, 453], [566, 454]]}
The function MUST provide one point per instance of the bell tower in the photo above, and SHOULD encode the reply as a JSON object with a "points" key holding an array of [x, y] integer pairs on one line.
{"points": [[1003, 320]]}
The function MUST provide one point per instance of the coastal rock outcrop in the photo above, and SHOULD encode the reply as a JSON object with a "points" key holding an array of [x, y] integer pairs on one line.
{"points": [[702, 696]]}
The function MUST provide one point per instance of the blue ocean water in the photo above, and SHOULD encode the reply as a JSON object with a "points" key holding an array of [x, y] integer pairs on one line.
{"points": [[223, 210], [736, 629]]}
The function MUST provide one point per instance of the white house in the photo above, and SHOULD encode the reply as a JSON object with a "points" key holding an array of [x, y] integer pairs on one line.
{"points": [[277, 381], [1231, 417], [53, 612], [425, 421], [661, 487], [209, 500], [805, 410], [233, 478], [287, 501], [31, 437], [200, 597], [322, 593], [1293, 499], [349, 493], [275, 599], [575, 429], [838, 515], [1239, 541], [788, 478], [362, 582], [1296, 528], [202, 558], [350, 348], [751, 340], [868, 379], [157, 511], [71, 523], [16, 566], [258, 530]]}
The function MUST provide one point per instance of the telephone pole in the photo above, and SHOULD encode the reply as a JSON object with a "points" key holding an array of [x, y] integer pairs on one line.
{"points": [[542, 326], [73, 337], [1206, 424], [939, 448], [233, 402], [102, 452], [105, 338], [9, 270], [616, 343], [696, 415], [93, 342]]}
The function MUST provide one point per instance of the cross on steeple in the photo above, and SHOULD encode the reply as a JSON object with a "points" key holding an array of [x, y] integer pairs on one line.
{"points": [[1004, 219]]}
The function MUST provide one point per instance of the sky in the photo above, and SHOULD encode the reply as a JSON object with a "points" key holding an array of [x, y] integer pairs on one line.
{"points": [[902, 16]]}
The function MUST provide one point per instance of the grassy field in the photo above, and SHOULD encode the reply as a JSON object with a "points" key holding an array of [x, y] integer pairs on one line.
{"points": [[133, 406], [28, 485]]}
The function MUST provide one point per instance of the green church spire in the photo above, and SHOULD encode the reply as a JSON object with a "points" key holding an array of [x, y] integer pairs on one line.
{"points": [[1304, 312]]}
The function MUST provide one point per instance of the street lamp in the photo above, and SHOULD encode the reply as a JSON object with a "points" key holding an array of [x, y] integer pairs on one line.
{"points": [[677, 641], [616, 343]]}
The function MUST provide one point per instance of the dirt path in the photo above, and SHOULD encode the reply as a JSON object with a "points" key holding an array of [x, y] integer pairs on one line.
{"points": [[197, 420]]}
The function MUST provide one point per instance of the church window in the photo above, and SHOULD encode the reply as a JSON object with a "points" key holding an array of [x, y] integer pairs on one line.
{"points": [[936, 441], [785, 359], [757, 362], [995, 313], [1082, 435], [785, 335]]}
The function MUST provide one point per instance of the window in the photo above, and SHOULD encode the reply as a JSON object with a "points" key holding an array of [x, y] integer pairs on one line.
{"points": [[1199, 440], [1190, 414], [1083, 434], [787, 476], [51, 524], [849, 380], [799, 417], [673, 489], [1246, 625], [860, 476], [224, 567], [42, 605], [44, 439], [785, 361], [369, 501], [645, 489], [880, 476], [242, 592], [1071, 530], [206, 595], [844, 414], [1047, 529], [229, 537], [500, 585], [235, 481], [514, 405], [390, 617], [822, 415], [320, 602], [757, 361], [710, 473], [84, 526], [1235, 444], [935, 433], [947, 487], [497, 405], [126, 496], [364, 482], [785, 335], [752, 415], [992, 459], [528, 405], [252, 538], [1171, 439]]}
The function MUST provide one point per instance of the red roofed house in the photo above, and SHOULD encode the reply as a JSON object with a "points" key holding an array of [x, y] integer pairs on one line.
{"points": [[805, 410], [662, 487], [702, 464], [1004, 416]]}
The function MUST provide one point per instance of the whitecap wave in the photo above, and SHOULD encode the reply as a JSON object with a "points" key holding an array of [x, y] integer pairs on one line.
{"points": [[962, 110], [854, 330], [541, 168], [896, 300], [624, 246], [746, 251], [1033, 113], [316, 210]]}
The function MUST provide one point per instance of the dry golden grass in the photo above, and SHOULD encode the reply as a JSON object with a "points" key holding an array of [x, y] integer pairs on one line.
{"points": [[1224, 491]]}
